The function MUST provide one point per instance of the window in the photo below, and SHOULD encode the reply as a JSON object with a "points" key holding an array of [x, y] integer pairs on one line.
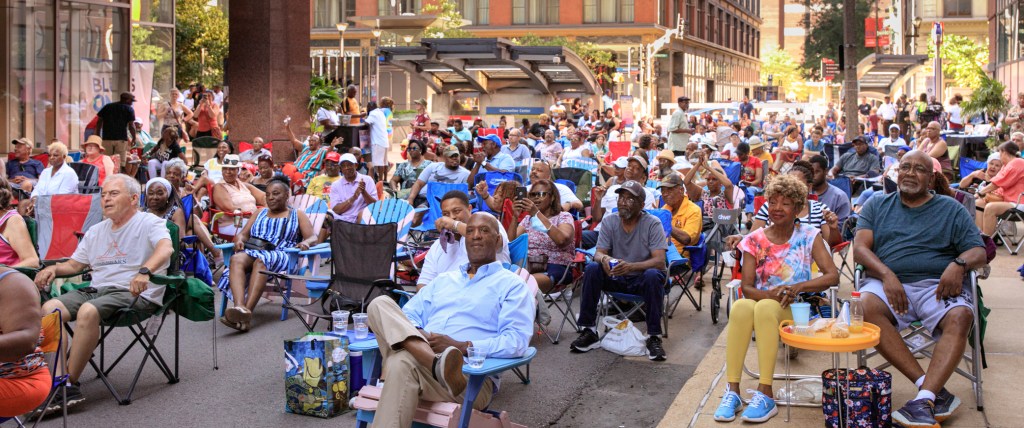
{"points": [[403, 6], [328, 13], [595, 11], [476, 11], [535, 12], [957, 7]]}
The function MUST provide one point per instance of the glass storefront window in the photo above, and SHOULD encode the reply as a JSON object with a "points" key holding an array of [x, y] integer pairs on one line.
{"points": [[161, 11]]}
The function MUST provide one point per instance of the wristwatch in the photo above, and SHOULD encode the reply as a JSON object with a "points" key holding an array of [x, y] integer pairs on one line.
{"points": [[961, 262], [145, 271]]}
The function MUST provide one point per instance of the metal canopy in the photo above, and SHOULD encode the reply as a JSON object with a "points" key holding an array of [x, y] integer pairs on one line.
{"points": [[879, 75], [492, 65]]}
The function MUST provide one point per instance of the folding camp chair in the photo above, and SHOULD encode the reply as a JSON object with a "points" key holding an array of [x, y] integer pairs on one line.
{"points": [[685, 274], [733, 170], [617, 149], [203, 148], [726, 222], [517, 250], [58, 234], [53, 343], [175, 287], [493, 179], [583, 180], [843, 183], [361, 269], [1006, 227], [974, 357], [88, 177], [435, 191], [401, 213], [968, 165]]}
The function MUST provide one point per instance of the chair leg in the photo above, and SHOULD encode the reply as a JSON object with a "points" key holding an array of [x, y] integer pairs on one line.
{"points": [[472, 390], [214, 322]]}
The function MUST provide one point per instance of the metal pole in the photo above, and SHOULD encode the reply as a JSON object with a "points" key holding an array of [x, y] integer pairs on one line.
{"points": [[344, 63], [937, 37], [850, 85]]}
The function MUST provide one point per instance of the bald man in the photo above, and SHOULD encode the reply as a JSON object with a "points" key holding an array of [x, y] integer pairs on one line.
{"points": [[916, 270], [481, 305]]}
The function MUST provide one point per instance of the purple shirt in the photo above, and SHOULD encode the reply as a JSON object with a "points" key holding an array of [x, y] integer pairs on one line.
{"points": [[343, 189]]}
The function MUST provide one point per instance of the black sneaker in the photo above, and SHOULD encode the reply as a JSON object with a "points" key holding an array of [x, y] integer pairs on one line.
{"points": [[586, 341], [916, 413], [654, 350], [945, 404], [74, 397]]}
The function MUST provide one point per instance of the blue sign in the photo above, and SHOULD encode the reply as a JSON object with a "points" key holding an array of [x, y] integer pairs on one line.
{"points": [[522, 111]]}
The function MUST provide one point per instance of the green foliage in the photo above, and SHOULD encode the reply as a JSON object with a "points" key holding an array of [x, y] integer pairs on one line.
{"points": [[146, 48], [449, 21], [322, 93], [199, 26], [963, 60], [826, 35], [986, 98], [599, 60], [785, 73]]}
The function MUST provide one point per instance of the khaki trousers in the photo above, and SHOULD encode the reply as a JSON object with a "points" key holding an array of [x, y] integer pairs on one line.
{"points": [[406, 381], [117, 147]]}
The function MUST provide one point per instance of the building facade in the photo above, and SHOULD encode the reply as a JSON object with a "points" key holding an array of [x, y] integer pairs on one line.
{"points": [[717, 58], [967, 18], [1006, 29], [65, 59]]}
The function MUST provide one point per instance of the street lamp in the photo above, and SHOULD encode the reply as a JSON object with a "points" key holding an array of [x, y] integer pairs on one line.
{"points": [[407, 38], [342, 26], [376, 64]]}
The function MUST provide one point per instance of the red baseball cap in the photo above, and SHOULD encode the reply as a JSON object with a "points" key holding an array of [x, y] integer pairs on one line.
{"points": [[334, 157]]}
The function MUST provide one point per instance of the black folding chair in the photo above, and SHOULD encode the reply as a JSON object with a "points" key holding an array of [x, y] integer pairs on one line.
{"points": [[88, 177], [362, 263]]}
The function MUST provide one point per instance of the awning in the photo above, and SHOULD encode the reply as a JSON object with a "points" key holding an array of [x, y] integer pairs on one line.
{"points": [[492, 65], [879, 75]]}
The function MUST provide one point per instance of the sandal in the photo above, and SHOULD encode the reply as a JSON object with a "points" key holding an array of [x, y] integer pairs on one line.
{"points": [[235, 314], [234, 325]]}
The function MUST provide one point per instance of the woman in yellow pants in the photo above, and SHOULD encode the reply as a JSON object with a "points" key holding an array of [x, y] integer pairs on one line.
{"points": [[776, 268]]}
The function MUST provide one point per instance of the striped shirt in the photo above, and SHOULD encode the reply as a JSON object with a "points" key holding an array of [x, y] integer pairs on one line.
{"points": [[815, 214], [309, 162]]}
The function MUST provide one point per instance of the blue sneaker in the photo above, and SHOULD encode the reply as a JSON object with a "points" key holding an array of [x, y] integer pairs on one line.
{"points": [[760, 409], [916, 414], [730, 406]]}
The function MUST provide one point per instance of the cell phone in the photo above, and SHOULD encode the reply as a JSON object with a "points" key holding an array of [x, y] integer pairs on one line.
{"points": [[88, 289], [520, 193]]}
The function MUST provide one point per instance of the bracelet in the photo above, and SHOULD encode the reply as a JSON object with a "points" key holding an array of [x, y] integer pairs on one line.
{"points": [[455, 225]]}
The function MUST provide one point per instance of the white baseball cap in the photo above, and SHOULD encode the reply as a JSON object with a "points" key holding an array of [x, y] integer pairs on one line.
{"points": [[621, 163]]}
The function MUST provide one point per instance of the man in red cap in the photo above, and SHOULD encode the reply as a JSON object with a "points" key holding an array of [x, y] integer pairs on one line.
{"points": [[320, 186]]}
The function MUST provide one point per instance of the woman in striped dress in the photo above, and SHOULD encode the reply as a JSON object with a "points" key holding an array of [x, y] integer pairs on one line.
{"points": [[280, 227]]}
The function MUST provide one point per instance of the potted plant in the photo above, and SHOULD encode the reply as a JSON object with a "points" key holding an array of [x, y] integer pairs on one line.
{"points": [[321, 94], [988, 99]]}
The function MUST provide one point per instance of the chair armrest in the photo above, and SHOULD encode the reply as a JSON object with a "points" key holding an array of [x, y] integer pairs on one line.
{"points": [[734, 284], [317, 251], [497, 365], [167, 279]]}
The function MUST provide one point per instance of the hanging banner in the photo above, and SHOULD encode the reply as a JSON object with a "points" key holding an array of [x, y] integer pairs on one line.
{"points": [[626, 110], [95, 84], [875, 33]]}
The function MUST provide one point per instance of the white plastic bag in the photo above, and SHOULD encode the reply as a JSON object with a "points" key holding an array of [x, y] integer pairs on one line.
{"points": [[623, 338]]}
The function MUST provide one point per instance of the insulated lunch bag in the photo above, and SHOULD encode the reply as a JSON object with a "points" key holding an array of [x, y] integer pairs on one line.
{"points": [[867, 401]]}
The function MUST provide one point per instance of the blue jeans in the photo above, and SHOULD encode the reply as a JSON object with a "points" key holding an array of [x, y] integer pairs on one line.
{"points": [[650, 285]]}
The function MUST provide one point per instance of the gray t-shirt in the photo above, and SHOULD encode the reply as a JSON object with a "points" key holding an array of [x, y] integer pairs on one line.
{"points": [[918, 243], [836, 200], [439, 173], [850, 164], [648, 235], [115, 256]]}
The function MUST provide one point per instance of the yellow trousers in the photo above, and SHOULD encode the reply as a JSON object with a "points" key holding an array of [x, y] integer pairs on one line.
{"points": [[747, 316]]}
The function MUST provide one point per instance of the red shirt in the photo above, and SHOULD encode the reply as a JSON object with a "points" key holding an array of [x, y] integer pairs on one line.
{"points": [[750, 168]]}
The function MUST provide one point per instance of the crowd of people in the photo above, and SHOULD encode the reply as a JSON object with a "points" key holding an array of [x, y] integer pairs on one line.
{"points": [[682, 166]]}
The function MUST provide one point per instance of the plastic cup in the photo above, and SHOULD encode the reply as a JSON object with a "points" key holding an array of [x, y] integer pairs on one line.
{"points": [[801, 313], [361, 329], [340, 321], [476, 357]]}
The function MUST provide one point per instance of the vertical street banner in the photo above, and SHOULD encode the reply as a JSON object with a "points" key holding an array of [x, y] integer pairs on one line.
{"points": [[95, 82], [626, 110]]}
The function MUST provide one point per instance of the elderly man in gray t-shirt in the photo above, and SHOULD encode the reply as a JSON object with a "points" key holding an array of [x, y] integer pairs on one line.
{"points": [[635, 243]]}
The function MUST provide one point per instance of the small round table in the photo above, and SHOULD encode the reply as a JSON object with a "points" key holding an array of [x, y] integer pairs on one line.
{"points": [[822, 341]]}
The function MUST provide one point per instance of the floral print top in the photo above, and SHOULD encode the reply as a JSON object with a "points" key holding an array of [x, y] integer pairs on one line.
{"points": [[784, 264]]}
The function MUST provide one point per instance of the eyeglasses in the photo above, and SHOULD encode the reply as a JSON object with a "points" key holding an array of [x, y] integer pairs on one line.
{"points": [[628, 201], [917, 169], [414, 148], [539, 194]]}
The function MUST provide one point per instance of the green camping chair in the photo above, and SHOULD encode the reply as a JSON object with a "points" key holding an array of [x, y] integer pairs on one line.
{"points": [[203, 148], [188, 298]]}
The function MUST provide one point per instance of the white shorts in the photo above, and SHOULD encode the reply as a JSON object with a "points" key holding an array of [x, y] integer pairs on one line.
{"points": [[379, 155]]}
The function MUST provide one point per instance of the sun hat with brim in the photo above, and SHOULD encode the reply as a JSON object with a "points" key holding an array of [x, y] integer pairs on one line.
{"points": [[709, 145], [231, 161], [667, 155], [633, 187], [756, 144], [421, 101], [94, 139]]}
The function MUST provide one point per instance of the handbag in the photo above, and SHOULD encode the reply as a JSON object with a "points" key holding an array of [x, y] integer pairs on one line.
{"points": [[257, 244], [623, 338], [866, 396], [537, 263], [317, 375]]}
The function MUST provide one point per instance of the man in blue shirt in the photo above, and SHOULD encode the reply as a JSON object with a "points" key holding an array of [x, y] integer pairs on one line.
{"points": [[482, 305], [916, 248], [515, 148], [491, 158], [460, 134], [23, 171]]}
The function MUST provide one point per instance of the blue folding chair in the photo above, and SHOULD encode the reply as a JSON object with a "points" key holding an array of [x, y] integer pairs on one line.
{"points": [[436, 191], [493, 179], [567, 183], [491, 367], [968, 165], [843, 183], [636, 302], [685, 273], [517, 250], [733, 170]]}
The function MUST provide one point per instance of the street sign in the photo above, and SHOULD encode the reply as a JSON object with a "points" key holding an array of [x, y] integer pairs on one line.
{"points": [[829, 69]]}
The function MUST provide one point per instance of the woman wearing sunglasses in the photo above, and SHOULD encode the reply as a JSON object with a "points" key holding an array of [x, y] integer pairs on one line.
{"points": [[407, 172], [550, 232]]}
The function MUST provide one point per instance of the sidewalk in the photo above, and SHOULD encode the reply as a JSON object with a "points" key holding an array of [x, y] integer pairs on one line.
{"points": [[696, 402]]}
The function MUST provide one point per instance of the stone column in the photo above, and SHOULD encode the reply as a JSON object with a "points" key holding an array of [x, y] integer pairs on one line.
{"points": [[268, 69]]}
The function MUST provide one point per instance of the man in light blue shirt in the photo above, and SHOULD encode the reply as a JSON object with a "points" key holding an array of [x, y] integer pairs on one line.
{"points": [[482, 305], [491, 159], [515, 148], [460, 134]]}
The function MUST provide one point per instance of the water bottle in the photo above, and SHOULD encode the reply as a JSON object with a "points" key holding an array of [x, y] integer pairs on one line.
{"points": [[856, 314], [238, 217]]}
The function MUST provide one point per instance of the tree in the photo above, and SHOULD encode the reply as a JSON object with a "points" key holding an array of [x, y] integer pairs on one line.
{"points": [[962, 60], [785, 73], [987, 98], [200, 26], [449, 25], [146, 46], [597, 59], [826, 34]]}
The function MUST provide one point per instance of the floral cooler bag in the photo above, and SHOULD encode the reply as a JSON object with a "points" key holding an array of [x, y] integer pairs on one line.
{"points": [[867, 401]]}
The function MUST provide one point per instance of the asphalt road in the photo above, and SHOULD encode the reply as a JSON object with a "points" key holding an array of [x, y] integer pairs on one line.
{"points": [[597, 389]]}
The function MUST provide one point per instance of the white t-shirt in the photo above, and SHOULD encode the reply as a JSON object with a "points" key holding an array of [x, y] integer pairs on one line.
{"points": [[438, 261], [63, 182], [378, 127], [887, 111], [330, 115], [954, 114], [610, 201], [572, 153], [115, 256], [565, 194], [218, 98]]}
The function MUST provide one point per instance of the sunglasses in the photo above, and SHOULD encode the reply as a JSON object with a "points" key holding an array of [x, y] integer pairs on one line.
{"points": [[539, 194], [414, 148], [233, 162]]}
